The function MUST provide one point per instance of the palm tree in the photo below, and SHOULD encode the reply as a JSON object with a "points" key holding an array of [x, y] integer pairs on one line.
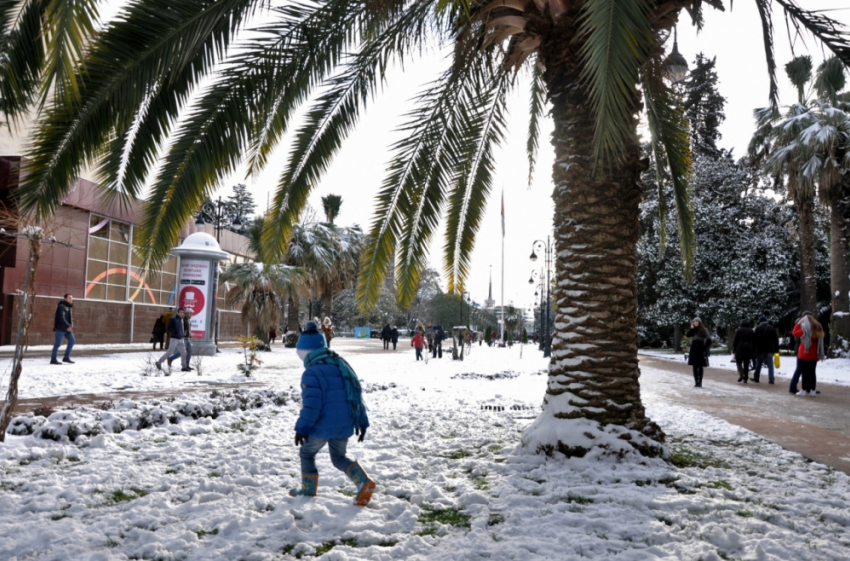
{"points": [[597, 62], [260, 291], [810, 145], [331, 204]]}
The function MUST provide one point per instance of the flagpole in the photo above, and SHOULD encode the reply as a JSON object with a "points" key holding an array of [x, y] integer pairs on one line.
{"points": [[503, 265]]}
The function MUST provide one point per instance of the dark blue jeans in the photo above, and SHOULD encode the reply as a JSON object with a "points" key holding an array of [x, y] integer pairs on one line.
{"points": [[336, 446], [796, 377], [764, 358], [58, 335]]}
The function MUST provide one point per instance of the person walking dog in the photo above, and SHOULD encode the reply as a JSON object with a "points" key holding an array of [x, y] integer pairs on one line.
{"points": [[332, 411], [63, 328]]}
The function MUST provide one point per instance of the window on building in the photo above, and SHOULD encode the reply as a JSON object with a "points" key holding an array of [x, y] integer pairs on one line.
{"points": [[157, 287], [106, 266]]}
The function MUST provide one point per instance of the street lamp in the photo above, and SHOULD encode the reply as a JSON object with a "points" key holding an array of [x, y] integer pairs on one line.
{"points": [[547, 259], [675, 63], [221, 214], [539, 288]]}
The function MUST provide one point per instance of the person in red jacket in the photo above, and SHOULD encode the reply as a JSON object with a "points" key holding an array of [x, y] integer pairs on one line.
{"points": [[811, 350], [418, 342]]}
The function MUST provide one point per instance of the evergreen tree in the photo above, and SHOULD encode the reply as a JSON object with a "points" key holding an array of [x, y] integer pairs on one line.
{"points": [[704, 107], [243, 202]]}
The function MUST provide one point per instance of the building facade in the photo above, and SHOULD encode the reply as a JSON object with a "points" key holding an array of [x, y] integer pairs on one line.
{"points": [[114, 301]]}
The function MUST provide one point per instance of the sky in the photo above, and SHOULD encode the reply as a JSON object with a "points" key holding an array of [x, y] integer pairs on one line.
{"points": [[734, 38]]}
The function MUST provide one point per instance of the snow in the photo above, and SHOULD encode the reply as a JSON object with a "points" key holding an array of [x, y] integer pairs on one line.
{"points": [[831, 370], [444, 447]]}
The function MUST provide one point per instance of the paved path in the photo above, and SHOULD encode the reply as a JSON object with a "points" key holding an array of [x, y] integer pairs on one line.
{"points": [[816, 427]]}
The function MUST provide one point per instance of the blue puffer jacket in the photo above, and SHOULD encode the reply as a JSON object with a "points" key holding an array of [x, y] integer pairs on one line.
{"points": [[325, 411]]}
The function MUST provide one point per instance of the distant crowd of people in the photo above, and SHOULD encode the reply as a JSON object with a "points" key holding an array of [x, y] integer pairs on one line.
{"points": [[759, 348]]}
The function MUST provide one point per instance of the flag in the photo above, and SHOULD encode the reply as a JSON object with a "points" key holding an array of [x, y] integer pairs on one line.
{"points": [[503, 213]]}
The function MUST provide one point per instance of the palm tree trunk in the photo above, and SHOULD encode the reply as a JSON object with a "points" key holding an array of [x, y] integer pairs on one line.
{"points": [[839, 273], [593, 397], [808, 280], [327, 302], [292, 314]]}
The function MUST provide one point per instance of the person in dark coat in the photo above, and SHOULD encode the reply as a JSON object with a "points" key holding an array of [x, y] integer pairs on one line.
{"points": [[386, 335], [700, 344], [158, 333], [63, 328], [187, 342], [439, 335], [394, 336], [766, 345], [332, 411], [743, 347], [177, 334]]}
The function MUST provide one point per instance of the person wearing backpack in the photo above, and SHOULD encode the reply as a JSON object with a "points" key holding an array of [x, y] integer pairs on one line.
{"points": [[332, 411]]}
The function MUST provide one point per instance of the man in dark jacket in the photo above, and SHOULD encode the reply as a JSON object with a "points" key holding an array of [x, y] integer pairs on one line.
{"points": [[766, 345], [439, 335], [187, 341], [386, 335], [394, 336], [63, 327], [177, 332], [158, 333], [742, 346]]}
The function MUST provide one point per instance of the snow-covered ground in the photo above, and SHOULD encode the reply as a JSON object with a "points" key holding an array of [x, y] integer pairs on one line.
{"points": [[443, 449], [830, 371]]}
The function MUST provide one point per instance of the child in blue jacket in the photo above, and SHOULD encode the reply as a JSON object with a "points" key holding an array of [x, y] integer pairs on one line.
{"points": [[332, 410]]}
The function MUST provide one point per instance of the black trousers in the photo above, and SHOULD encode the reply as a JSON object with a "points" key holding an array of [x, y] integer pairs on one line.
{"points": [[386, 344], [698, 372], [810, 380], [743, 369]]}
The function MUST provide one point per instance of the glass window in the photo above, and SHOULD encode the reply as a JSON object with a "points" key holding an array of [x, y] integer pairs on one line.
{"points": [[106, 262]]}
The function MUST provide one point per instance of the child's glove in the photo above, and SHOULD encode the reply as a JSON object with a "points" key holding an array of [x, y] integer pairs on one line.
{"points": [[300, 438], [361, 433]]}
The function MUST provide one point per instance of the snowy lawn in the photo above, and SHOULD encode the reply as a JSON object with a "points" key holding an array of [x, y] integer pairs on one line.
{"points": [[452, 483], [830, 371]]}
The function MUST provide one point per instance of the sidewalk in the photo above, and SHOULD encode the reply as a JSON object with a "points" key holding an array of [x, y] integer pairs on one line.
{"points": [[816, 427], [8, 351]]}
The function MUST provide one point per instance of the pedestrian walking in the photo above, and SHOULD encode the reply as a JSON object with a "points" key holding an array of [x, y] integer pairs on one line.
{"points": [[766, 345], [386, 335], [63, 328], [328, 330], [176, 334], [742, 346], [439, 335], [810, 351], [158, 333], [418, 342], [272, 335], [187, 342], [332, 411], [166, 319], [394, 336], [698, 353]]}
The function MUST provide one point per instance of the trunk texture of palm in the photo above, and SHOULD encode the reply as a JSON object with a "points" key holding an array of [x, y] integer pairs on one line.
{"points": [[808, 282], [593, 397], [292, 319], [839, 224]]}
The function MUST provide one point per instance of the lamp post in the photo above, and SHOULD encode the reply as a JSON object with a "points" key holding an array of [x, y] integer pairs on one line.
{"points": [[675, 63], [539, 288], [547, 259], [221, 214]]}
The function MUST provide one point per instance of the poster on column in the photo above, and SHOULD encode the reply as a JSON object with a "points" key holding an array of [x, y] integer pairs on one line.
{"points": [[194, 293]]}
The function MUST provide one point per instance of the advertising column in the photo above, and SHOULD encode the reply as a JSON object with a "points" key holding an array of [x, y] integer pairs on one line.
{"points": [[195, 295]]}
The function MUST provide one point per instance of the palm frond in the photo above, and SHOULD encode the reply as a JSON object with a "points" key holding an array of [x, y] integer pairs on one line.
{"points": [[480, 131], [21, 55], [116, 78], [827, 30], [536, 110], [428, 149], [617, 35], [830, 80], [70, 26], [799, 71], [767, 36], [334, 115], [671, 148]]}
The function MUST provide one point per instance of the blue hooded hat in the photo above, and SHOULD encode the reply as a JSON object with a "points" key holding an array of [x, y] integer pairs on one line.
{"points": [[311, 339]]}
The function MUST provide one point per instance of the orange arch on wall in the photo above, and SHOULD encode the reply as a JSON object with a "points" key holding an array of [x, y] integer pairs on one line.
{"points": [[122, 271]]}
